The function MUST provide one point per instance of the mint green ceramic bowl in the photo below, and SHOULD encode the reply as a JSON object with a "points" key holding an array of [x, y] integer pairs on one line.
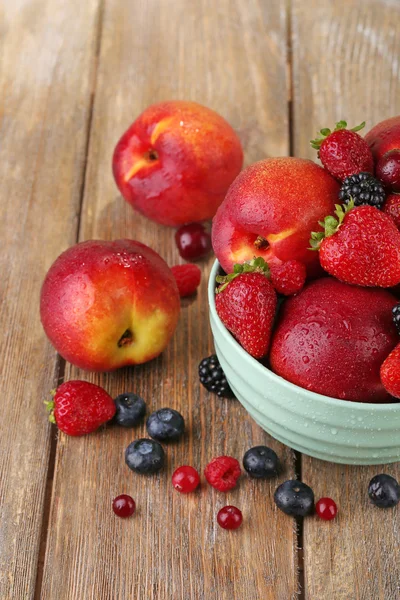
{"points": [[336, 430]]}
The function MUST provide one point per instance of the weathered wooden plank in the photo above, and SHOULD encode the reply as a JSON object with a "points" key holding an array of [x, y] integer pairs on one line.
{"points": [[345, 66], [230, 56], [46, 63]]}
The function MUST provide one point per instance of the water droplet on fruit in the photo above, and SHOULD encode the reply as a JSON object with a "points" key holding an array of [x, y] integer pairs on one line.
{"points": [[181, 123], [305, 359]]}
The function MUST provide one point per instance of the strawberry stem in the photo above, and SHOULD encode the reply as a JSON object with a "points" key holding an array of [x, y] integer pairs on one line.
{"points": [[50, 405], [256, 265], [330, 224], [325, 132]]}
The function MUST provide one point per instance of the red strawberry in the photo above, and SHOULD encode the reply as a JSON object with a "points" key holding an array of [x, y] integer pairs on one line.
{"points": [[361, 246], [392, 208], [187, 278], [390, 373], [80, 407], [343, 152], [288, 278], [246, 304]]}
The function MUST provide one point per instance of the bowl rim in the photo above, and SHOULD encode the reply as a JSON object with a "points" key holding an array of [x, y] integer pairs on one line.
{"points": [[337, 403]]}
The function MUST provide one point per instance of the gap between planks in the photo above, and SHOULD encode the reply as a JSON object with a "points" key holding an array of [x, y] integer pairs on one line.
{"points": [[61, 363]]}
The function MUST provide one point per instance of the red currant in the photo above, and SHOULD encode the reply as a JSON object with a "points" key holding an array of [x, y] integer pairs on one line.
{"points": [[229, 517], [193, 241], [185, 479], [326, 509], [388, 170], [124, 506]]}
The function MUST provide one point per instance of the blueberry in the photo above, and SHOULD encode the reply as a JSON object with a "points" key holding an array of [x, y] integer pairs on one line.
{"points": [[145, 456], [165, 424], [261, 462], [384, 491], [130, 409], [294, 498]]}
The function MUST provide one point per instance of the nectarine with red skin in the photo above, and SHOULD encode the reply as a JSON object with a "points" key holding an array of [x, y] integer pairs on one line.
{"points": [[333, 338], [106, 305], [176, 162], [270, 211], [383, 137]]}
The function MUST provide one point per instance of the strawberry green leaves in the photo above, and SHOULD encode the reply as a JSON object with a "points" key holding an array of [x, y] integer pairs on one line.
{"points": [[330, 225], [325, 132], [257, 265]]}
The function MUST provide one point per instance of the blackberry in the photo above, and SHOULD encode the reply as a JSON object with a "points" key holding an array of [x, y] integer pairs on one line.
{"points": [[213, 378], [396, 316], [363, 188]]}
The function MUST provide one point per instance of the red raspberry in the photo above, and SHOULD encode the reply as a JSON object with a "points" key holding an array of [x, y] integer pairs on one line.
{"points": [[187, 278], [222, 473], [392, 208], [288, 278], [80, 407]]}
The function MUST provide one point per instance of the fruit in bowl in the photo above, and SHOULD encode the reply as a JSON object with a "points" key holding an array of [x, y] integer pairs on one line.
{"points": [[175, 163], [270, 211], [385, 136], [105, 305]]}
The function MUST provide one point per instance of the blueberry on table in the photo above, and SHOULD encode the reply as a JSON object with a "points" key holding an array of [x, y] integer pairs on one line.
{"points": [[131, 409], [165, 424], [261, 462], [384, 491], [145, 456], [294, 498]]}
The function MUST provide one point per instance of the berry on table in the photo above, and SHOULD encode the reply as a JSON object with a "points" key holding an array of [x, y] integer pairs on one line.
{"points": [[145, 456], [294, 498], [343, 152], [124, 506], [229, 517], [185, 479], [388, 170], [165, 424], [213, 378], [363, 188], [384, 491], [187, 278], [288, 278], [392, 208], [261, 462], [193, 241], [80, 407], [326, 509], [222, 473], [131, 409]]}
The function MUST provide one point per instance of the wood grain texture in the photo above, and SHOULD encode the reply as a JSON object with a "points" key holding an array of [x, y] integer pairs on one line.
{"points": [[346, 66], [230, 56], [43, 122]]}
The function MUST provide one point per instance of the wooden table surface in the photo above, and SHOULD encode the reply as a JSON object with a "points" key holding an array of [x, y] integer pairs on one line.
{"points": [[73, 75]]}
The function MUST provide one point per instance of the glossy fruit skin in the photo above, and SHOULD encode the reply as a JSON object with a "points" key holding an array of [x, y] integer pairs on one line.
{"points": [[384, 491], [96, 291], [185, 479], [289, 278], [261, 462], [165, 424], [365, 250], [392, 208], [222, 473], [390, 373], [145, 456], [294, 498], [193, 241], [229, 517], [281, 200], [344, 153], [388, 169], [213, 378], [187, 278], [123, 506], [328, 320], [81, 407], [383, 137], [175, 163], [326, 509], [247, 309], [131, 409]]}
